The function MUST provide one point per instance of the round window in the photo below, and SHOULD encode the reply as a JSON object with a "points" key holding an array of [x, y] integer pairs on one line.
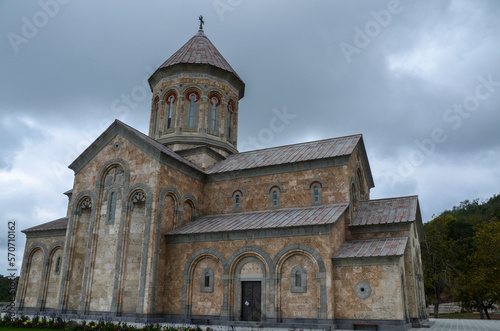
{"points": [[362, 290]]}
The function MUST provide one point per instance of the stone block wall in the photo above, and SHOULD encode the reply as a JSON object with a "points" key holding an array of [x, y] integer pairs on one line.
{"points": [[41, 270], [268, 260], [386, 300]]}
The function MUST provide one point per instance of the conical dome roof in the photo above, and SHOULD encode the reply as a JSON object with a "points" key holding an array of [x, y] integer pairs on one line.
{"points": [[199, 50], [198, 55]]}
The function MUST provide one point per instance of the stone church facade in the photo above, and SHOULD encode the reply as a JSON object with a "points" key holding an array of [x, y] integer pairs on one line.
{"points": [[178, 226]]}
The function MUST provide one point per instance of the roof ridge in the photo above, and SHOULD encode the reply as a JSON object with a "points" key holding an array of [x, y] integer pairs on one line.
{"points": [[297, 144], [273, 210], [385, 199], [377, 239]]}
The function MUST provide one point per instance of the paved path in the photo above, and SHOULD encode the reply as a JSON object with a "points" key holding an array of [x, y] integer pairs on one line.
{"points": [[462, 325]]}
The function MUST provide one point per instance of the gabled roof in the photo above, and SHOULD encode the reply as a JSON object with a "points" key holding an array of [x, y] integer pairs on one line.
{"points": [[315, 150], [386, 211], [265, 219], [199, 50], [59, 224], [148, 144], [289, 154], [371, 248]]}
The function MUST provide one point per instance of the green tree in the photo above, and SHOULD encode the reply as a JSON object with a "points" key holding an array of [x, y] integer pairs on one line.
{"points": [[6, 288], [478, 285], [437, 257]]}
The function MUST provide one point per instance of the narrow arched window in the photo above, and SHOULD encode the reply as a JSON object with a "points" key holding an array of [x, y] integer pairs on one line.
{"points": [[315, 194], [192, 99], [58, 265], [298, 278], [214, 113], [207, 279], [354, 197], [361, 184], [170, 111], [229, 120], [156, 115], [275, 197], [237, 202], [112, 207]]}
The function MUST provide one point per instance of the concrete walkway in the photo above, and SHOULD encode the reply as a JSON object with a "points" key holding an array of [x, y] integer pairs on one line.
{"points": [[437, 325], [462, 325]]}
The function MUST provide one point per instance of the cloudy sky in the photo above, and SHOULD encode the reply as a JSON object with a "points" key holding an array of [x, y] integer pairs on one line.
{"points": [[419, 79]]}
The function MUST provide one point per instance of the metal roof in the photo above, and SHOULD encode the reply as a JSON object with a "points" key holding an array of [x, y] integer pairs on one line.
{"points": [[199, 50], [314, 150], [371, 248], [264, 219], [386, 211], [58, 224]]}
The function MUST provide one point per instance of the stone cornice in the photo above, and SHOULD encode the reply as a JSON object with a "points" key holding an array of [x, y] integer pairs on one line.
{"points": [[45, 233], [297, 231]]}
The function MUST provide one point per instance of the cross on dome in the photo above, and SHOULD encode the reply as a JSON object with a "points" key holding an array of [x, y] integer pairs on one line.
{"points": [[201, 22]]}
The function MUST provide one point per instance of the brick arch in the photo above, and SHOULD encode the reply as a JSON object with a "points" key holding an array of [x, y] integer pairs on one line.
{"points": [[122, 244], [306, 250], [47, 274], [354, 194], [192, 88], [235, 263], [273, 185], [80, 202], [250, 251], [238, 189], [166, 94], [234, 104], [76, 210], [217, 94], [189, 198], [155, 114], [189, 268], [140, 188], [200, 254], [292, 250], [359, 179], [27, 270], [108, 165], [314, 181], [174, 193], [58, 245]]}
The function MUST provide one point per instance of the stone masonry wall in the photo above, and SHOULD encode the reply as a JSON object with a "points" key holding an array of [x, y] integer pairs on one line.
{"points": [[178, 256], [385, 301], [296, 190], [39, 278]]}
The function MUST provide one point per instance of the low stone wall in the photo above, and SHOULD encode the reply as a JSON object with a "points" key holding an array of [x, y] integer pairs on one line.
{"points": [[445, 308]]}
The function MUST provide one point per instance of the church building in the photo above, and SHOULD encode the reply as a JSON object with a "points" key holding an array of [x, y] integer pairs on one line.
{"points": [[178, 226]]}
